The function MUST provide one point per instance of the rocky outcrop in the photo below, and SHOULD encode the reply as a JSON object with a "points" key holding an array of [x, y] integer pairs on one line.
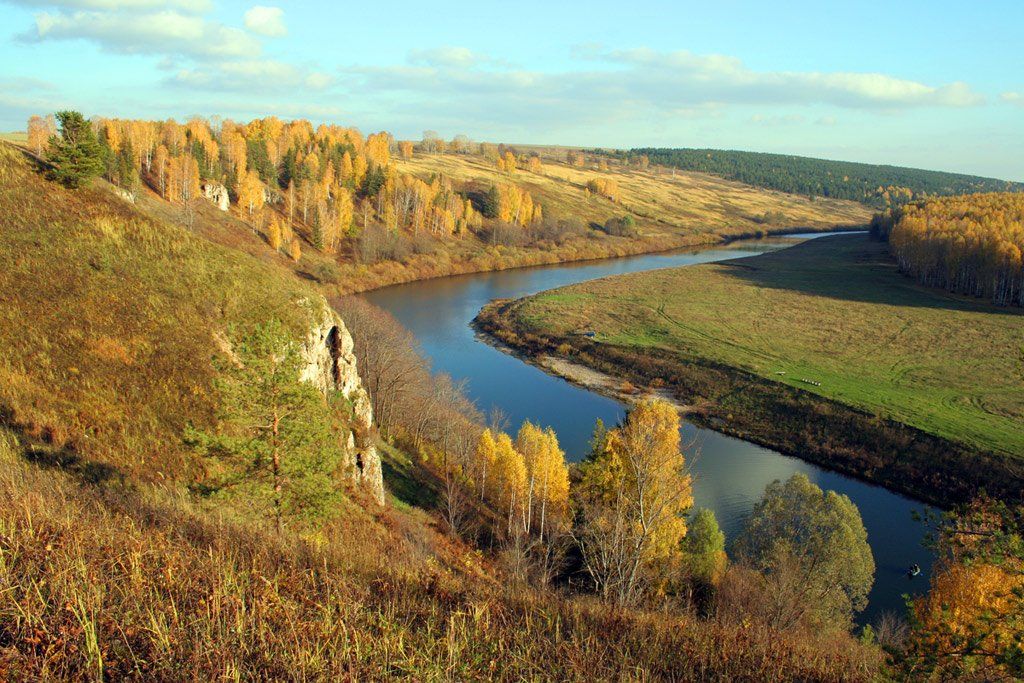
{"points": [[218, 194], [330, 365]]}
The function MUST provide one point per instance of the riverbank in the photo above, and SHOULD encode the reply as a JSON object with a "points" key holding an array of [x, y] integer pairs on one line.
{"points": [[750, 374], [476, 257]]}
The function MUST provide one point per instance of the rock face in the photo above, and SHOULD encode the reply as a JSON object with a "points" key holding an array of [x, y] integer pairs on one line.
{"points": [[218, 194], [330, 365]]}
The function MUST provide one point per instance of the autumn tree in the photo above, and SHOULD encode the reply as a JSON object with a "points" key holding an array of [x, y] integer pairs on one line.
{"points": [[274, 237], [40, 130], [509, 483], [295, 250], [970, 624], [250, 192], [633, 494], [405, 149], [811, 549], [274, 450]]}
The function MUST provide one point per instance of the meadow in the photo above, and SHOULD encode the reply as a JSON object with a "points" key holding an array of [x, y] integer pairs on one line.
{"points": [[830, 318]]}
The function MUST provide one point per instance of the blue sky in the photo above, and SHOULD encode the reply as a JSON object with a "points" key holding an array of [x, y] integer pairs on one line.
{"points": [[936, 84]]}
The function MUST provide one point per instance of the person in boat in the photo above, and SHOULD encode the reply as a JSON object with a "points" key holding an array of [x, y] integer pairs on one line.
{"points": [[914, 570]]}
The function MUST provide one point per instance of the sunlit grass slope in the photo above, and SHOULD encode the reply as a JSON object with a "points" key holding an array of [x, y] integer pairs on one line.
{"points": [[833, 311]]}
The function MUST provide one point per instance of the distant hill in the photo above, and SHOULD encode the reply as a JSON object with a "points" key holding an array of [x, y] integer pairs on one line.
{"points": [[867, 183]]}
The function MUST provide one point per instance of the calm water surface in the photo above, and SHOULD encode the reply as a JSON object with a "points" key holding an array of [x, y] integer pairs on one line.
{"points": [[730, 474]]}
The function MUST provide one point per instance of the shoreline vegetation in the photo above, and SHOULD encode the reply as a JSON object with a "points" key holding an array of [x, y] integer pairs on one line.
{"points": [[854, 441], [354, 278]]}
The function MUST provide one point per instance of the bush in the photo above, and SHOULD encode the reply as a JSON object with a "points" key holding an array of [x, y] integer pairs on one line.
{"points": [[326, 273], [621, 227]]}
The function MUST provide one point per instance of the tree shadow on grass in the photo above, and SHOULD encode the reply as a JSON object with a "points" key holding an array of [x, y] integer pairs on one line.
{"points": [[45, 453], [849, 268]]}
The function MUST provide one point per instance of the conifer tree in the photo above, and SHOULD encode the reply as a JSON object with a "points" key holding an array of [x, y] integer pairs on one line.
{"points": [[76, 155]]}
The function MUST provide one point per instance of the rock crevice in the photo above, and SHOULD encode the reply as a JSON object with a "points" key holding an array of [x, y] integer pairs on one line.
{"points": [[330, 365]]}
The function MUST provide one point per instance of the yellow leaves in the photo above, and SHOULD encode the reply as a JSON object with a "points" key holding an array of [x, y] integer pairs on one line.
{"points": [[513, 205], [359, 168], [976, 610], [274, 237], [295, 250], [250, 192], [971, 244], [405, 149], [507, 163], [377, 149], [606, 187]]}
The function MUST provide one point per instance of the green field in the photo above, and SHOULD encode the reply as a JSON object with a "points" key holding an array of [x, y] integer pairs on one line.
{"points": [[832, 310]]}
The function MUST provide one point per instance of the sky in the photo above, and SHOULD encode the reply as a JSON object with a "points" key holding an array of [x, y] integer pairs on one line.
{"points": [[936, 84]]}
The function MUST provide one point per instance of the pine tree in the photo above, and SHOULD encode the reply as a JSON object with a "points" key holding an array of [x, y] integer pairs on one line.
{"points": [[274, 450], [76, 155]]}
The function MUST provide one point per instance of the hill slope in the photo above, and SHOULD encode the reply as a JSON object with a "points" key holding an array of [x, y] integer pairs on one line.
{"points": [[824, 177]]}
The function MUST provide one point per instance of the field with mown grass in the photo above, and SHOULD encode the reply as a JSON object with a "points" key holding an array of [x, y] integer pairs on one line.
{"points": [[829, 317]]}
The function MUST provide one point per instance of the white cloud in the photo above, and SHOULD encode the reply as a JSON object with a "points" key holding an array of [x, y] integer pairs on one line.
{"points": [[447, 56], [641, 79], [165, 32], [727, 78], [263, 75], [1013, 98], [266, 21]]}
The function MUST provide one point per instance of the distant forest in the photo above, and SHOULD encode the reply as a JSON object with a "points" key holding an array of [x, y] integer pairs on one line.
{"points": [[868, 183]]}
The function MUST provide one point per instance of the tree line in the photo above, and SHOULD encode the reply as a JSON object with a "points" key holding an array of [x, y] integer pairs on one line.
{"points": [[877, 185], [972, 245]]}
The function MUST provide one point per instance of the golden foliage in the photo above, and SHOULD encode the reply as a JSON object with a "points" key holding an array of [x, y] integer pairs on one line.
{"points": [[971, 244]]}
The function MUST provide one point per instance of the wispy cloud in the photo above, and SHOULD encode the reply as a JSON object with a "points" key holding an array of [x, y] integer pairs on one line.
{"points": [[160, 32], [263, 75], [1011, 97], [266, 21]]}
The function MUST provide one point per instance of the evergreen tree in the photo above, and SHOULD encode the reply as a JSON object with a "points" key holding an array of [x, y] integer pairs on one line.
{"points": [[76, 155], [275, 451]]}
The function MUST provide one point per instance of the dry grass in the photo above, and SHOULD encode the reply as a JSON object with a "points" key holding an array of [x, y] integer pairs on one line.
{"points": [[111, 584], [108, 321], [690, 203]]}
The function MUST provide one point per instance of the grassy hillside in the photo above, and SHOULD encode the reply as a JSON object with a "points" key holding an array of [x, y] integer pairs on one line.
{"points": [[824, 177], [111, 320], [830, 318], [688, 203], [670, 211]]}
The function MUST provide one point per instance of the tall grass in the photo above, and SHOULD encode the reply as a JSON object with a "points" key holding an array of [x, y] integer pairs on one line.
{"points": [[107, 582]]}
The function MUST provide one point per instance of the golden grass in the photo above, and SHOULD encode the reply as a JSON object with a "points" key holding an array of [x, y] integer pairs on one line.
{"points": [[108, 321], [661, 202], [134, 583]]}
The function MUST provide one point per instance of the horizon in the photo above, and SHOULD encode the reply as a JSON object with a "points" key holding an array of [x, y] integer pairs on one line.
{"points": [[937, 90]]}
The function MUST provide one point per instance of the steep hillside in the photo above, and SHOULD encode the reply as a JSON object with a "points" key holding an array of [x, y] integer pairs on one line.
{"points": [[112, 322]]}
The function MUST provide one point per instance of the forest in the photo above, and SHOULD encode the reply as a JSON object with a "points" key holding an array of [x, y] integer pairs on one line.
{"points": [[877, 185], [969, 245]]}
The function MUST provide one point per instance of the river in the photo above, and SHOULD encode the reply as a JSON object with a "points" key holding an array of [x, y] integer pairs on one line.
{"points": [[729, 474]]}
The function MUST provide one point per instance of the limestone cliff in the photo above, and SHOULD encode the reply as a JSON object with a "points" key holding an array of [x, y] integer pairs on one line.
{"points": [[330, 365]]}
